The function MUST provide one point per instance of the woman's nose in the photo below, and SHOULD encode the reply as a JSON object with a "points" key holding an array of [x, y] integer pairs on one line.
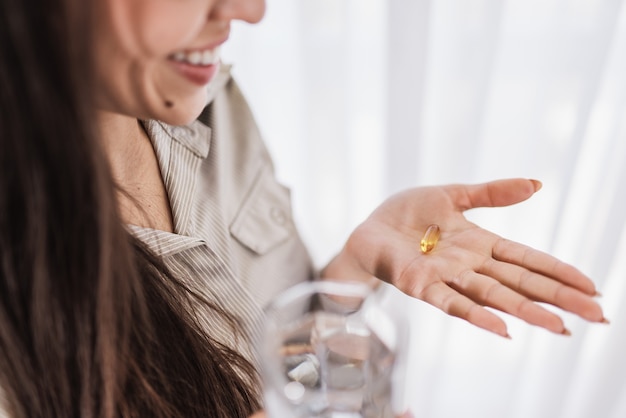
{"points": [[250, 11]]}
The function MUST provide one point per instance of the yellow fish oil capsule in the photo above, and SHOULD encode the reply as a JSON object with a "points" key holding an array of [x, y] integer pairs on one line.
{"points": [[430, 239]]}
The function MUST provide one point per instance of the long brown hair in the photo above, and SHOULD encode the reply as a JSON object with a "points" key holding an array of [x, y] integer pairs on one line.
{"points": [[91, 323]]}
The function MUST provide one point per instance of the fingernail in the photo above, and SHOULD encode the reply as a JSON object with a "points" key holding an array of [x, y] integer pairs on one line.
{"points": [[597, 294], [538, 185], [566, 332], [605, 321]]}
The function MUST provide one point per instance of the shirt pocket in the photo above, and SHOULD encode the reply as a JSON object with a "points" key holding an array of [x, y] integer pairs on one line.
{"points": [[264, 220]]}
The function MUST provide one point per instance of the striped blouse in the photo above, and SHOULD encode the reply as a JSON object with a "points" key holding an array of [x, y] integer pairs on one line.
{"points": [[234, 242]]}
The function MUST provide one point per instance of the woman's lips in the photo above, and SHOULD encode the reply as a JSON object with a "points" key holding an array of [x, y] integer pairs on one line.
{"points": [[197, 74], [198, 66]]}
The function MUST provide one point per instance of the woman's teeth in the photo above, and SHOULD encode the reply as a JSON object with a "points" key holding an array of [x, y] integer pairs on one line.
{"points": [[206, 57]]}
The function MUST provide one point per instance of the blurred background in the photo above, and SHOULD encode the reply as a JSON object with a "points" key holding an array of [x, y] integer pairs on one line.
{"points": [[358, 99]]}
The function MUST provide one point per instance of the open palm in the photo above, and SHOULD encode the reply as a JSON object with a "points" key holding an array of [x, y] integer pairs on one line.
{"points": [[470, 268]]}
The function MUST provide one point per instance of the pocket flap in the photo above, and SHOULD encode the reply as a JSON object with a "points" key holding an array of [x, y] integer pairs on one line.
{"points": [[264, 220]]}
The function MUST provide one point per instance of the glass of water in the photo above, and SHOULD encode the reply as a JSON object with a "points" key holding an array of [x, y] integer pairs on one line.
{"points": [[327, 351]]}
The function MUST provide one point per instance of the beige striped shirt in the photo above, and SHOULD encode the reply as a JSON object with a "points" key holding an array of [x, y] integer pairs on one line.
{"points": [[234, 241]]}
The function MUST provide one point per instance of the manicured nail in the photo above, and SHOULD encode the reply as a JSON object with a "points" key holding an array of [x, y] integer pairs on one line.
{"points": [[505, 334], [538, 185], [566, 332], [605, 321], [597, 294]]}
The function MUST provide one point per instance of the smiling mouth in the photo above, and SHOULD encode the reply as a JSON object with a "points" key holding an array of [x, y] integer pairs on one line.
{"points": [[201, 58]]}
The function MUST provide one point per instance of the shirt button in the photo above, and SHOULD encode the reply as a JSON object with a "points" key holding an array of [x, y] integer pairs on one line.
{"points": [[278, 216]]}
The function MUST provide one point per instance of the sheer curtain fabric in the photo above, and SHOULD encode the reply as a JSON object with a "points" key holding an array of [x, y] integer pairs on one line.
{"points": [[358, 99]]}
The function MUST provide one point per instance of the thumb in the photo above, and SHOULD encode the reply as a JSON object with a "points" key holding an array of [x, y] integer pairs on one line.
{"points": [[495, 193]]}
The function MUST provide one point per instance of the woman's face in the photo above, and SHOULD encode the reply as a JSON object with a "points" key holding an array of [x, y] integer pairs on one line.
{"points": [[154, 58]]}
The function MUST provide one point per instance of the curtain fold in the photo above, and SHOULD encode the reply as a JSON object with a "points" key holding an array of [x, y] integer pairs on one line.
{"points": [[358, 99]]}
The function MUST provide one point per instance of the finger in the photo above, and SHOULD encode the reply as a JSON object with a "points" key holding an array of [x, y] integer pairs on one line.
{"points": [[453, 303], [543, 289], [496, 193], [489, 292], [537, 261]]}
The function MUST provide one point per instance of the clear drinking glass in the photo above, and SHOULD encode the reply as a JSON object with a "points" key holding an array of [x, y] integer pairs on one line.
{"points": [[328, 352]]}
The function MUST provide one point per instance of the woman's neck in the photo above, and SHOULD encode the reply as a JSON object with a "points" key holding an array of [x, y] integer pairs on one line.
{"points": [[142, 195]]}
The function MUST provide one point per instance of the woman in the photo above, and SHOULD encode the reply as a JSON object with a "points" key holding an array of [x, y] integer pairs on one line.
{"points": [[142, 231]]}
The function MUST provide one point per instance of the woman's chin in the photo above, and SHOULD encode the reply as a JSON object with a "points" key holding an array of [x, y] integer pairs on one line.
{"points": [[177, 114]]}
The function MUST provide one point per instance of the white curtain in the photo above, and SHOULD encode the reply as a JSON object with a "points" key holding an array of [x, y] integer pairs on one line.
{"points": [[358, 99]]}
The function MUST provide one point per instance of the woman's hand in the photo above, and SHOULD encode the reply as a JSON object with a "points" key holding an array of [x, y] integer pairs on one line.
{"points": [[469, 268]]}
